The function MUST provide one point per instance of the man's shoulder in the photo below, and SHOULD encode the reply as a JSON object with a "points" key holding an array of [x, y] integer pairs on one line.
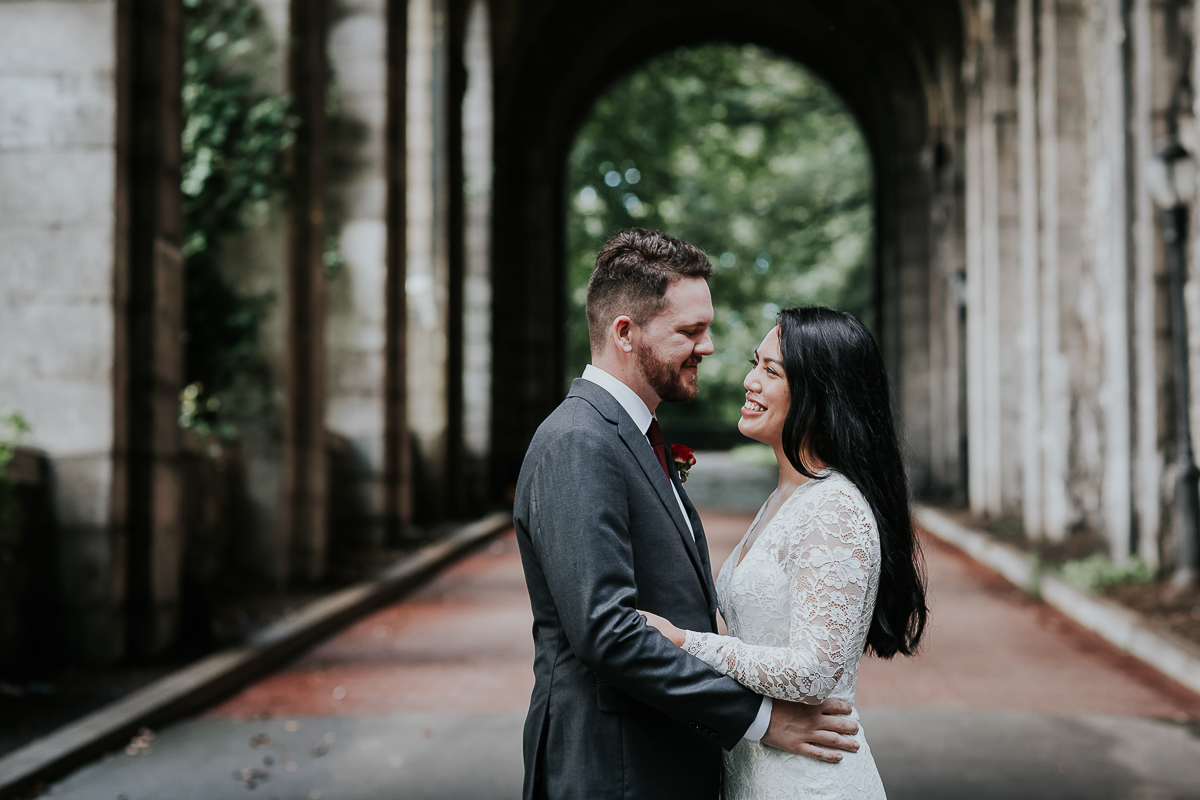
{"points": [[576, 418], [576, 436]]}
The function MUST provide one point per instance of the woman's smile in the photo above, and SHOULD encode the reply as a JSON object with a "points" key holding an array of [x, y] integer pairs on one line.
{"points": [[753, 408]]}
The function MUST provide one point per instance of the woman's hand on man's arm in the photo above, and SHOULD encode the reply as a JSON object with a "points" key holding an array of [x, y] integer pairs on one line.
{"points": [[663, 625]]}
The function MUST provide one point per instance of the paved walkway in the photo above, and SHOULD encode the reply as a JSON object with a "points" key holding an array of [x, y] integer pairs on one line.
{"points": [[425, 699]]}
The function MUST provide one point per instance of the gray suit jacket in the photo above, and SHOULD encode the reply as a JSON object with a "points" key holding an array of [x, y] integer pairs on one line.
{"points": [[617, 710]]}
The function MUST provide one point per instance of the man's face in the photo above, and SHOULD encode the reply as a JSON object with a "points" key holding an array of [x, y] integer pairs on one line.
{"points": [[670, 345]]}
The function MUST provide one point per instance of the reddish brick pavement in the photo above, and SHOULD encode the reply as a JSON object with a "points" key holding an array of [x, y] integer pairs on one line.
{"points": [[990, 646], [463, 644]]}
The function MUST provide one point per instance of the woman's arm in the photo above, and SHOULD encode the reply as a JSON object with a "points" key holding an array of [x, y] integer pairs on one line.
{"points": [[829, 556]]}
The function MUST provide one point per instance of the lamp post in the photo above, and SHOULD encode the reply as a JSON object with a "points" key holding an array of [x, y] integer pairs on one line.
{"points": [[1170, 177]]}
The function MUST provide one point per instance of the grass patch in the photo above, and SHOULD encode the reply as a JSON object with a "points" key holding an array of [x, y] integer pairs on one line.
{"points": [[1097, 572]]}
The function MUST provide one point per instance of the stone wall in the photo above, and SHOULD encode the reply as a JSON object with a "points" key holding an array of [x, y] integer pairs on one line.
{"points": [[1021, 274], [1070, 374], [58, 168]]}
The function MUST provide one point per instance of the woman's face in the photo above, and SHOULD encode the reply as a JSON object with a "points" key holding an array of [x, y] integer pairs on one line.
{"points": [[767, 394]]}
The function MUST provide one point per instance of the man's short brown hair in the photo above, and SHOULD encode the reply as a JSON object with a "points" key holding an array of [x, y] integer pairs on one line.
{"points": [[632, 273]]}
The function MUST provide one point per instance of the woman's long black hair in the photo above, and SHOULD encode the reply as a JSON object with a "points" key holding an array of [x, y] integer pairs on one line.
{"points": [[841, 412]]}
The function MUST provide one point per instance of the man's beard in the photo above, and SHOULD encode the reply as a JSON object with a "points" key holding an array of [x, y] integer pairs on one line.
{"points": [[665, 378]]}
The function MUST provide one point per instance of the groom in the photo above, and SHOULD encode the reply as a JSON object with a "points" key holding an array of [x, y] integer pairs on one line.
{"points": [[605, 528]]}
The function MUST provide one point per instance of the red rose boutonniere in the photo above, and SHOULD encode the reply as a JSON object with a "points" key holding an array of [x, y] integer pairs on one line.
{"points": [[684, 460]]}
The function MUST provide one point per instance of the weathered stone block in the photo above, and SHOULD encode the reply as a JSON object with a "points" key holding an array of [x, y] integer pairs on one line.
{"points": [[55, 264], [57, 188], [46, 340], [56, 111], [51, 36], [68, 418]]}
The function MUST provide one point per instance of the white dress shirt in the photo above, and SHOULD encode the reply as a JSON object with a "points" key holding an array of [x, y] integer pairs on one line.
{"points": [[639, 412]]}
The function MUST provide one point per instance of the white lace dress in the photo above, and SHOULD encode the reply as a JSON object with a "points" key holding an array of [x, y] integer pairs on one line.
{"points": [[798, 608]]}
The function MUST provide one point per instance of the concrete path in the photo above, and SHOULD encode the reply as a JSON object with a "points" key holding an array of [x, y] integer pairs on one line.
{"points": [[424, 700]]}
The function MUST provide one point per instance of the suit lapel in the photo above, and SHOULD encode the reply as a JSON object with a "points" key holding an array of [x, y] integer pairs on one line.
{"points": [[635, 440], [637, 443], [701, 539]]}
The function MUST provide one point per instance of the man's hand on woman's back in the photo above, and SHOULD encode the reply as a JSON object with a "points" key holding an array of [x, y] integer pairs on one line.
{"points": [[812, 730]]}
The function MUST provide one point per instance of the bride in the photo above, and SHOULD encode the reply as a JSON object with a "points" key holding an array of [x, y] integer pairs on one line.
{"points": [[830, 567]]}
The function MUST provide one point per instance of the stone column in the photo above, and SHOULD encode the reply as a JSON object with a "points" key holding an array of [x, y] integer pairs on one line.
{"points": [[1153, 76], [356, 336], [397, 443], [477, 320], [1030, 269], [428, 251], [58, 168], [1109, 221], [148, 286], [975, 75], [1058, 23], [946, 334], [304, 445], [993, 274]]}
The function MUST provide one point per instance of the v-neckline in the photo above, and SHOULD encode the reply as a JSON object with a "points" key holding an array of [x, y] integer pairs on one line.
{"points": [[744, 547], [742, 550]]}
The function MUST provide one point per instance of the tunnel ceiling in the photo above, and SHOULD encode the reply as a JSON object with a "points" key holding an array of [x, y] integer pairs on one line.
{"points": [[554, 58]]}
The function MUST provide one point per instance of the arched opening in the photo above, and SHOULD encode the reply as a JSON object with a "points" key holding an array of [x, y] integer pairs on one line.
{"points": [[753, 158], [896, 65]]}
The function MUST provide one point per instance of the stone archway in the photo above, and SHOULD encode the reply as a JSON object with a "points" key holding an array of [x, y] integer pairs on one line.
{"points": [[895, 64]]}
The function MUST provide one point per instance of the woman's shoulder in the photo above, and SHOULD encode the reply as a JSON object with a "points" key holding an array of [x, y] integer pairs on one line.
{"points": [[834, 493]]}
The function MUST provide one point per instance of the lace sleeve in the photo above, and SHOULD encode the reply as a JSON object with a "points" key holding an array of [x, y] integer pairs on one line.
{"points": [[828, 552]]}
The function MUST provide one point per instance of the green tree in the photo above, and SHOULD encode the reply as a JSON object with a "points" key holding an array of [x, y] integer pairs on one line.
{"points": [[749, 156]]}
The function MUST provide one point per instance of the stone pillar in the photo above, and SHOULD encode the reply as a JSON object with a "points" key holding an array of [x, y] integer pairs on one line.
{"points": [[356, 337], [477, 320], [1109, 222], [304, 445], [397, 443], [1153, 75], [1060, 257], [974, 77], [1030, 270], [947, 336], [58, 166], [427, 280], [993, 266], [148, 286]]}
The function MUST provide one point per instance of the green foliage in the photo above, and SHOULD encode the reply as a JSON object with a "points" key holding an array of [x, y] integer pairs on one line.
{"points": [[752, 158], [1097, 571], [235, 136], [756, 455], [12, 427]]}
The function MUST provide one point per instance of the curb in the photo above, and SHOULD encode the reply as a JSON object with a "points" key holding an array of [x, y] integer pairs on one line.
{"points": [[221, 673], [1168, 653]]}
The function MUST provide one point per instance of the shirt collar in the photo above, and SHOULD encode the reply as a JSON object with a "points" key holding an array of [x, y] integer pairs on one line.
{"points": [[634, 406]]}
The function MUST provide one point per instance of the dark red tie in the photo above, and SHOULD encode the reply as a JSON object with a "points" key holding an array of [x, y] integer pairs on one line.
{"points": [[654, 434]]}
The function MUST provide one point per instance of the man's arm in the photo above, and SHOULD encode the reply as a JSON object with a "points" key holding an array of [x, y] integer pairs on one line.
{"points": [[579, 527]]}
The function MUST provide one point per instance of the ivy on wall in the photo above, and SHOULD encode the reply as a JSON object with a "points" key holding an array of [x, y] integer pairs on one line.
{"points": [[235, 137]]}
